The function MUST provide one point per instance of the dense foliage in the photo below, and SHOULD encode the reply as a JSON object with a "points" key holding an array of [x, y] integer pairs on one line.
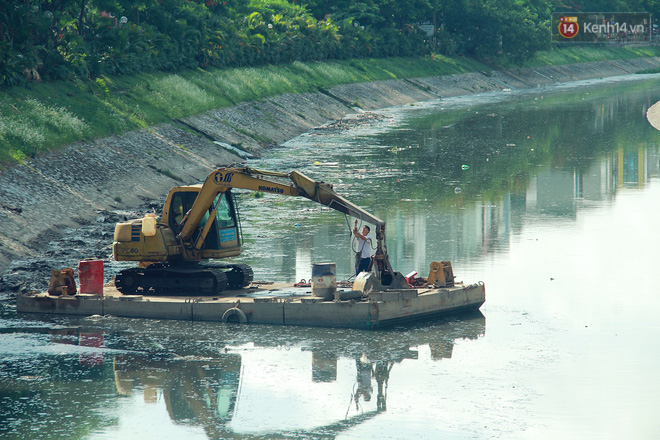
{"points": [[85, 39]]}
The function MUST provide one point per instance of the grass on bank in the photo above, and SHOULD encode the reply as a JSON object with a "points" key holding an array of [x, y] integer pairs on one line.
{"points": [[586, 54], [49, 115], [46, 116]]}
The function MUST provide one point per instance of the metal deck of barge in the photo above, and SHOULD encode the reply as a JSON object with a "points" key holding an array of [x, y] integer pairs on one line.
{"points": [[271, 304]]}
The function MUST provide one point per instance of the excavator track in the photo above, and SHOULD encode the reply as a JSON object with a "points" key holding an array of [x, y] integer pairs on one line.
{"points": [[164, 279], [238, 276], [193, 280]]}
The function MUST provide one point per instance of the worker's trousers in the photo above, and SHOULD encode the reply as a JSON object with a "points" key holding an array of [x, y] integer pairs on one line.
{"points": [[362, 265]]}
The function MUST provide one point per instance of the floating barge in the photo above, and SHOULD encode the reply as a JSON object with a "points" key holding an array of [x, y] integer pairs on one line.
{"points": [[270, 304], [174, 256]]}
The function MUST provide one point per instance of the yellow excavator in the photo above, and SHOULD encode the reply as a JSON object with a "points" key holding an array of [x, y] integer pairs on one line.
{"points": [[200, 223]]}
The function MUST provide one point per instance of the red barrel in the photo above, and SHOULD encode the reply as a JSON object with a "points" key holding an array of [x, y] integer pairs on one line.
{"points": [[94, 358], [90, 276]]}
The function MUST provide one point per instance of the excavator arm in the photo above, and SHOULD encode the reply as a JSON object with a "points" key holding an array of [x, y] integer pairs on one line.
{"points": [[293, 183], [299, 185], [324, 194]]}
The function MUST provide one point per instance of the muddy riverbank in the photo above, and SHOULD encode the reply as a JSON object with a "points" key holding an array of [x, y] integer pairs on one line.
{"points": [[88, 186]]}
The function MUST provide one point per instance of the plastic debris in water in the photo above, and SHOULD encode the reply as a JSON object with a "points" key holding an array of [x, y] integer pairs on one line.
{"points": [[465, 167], [457, 190], [297, 225]]}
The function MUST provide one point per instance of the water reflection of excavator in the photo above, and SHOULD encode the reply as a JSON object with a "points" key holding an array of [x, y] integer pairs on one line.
{"points": [[195, 391], [204, 390], [200, 222]]}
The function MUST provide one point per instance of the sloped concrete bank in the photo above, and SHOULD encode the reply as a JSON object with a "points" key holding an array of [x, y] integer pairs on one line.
{"points": [[70, 187]]}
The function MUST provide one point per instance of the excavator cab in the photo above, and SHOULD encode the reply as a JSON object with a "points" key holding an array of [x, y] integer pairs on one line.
{"points": [[223, 233], [217, 232], [171, 254]]}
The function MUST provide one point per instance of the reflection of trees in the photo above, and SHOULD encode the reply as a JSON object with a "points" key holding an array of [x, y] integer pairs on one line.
{"points": [[505, 143], [413, 176]]}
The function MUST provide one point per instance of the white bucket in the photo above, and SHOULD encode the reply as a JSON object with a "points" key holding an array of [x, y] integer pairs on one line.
{"points": [[324, 280]]}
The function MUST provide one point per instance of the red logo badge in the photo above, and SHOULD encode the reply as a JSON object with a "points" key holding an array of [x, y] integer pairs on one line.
{"points": [[568, 27]]}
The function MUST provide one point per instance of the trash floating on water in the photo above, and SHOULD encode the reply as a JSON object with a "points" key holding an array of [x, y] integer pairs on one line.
{"points": [[397, 149], [457, 190], [465, 167]]}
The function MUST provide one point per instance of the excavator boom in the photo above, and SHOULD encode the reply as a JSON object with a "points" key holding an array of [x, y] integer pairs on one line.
{"points": [[288, 184]]}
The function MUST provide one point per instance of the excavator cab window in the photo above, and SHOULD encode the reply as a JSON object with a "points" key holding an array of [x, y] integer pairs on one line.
{"points": [[225, 217], [178, 210], [226, 221], [181, 204]]}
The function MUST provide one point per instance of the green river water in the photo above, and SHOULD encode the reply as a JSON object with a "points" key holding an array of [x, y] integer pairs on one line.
{"points": [[549, 196]]}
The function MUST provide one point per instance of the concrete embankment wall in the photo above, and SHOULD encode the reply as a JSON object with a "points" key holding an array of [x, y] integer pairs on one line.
{"points": [[67, 188]]}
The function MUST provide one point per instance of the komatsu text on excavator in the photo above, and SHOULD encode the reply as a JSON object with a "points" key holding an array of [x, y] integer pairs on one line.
{"points": [[199, 223]]}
